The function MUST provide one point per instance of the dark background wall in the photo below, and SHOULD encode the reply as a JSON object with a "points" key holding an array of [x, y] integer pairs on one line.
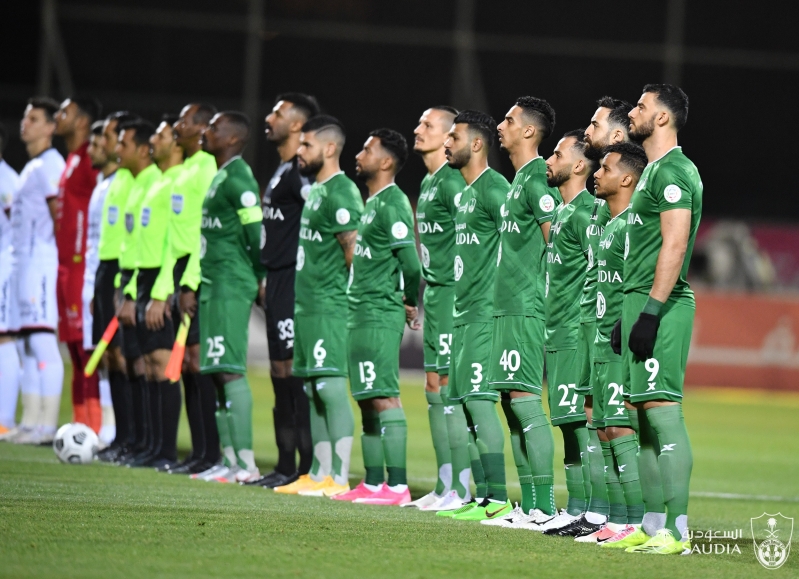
{"points": [[375, 63]]}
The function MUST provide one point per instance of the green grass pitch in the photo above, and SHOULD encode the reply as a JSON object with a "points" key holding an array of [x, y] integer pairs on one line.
{"points": [[102, 521]]}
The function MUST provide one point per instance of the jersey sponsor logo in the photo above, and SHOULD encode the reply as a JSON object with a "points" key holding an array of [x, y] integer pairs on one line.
{"points": [[553, 258], [510, 227], [363, 251], [472, 204], [458, 267], [145, 216], [466, 238], [546, 203], [609, 276], [248, 199], [300, 257], [129, 222], [113, 214], [594, 230], [177, 203], [425, 255], [399, 230], [672, 193], [557, 227], [425, 227], [305, 190], [273, 213], [634, 218], [342, 216], [600, 305], [607, 242], [428, 195], [211, 222], [457, 199], [368, 217], [309, 234]]}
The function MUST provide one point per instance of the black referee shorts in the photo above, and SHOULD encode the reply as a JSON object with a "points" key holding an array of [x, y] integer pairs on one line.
{"points": [[194, 327], [104, 306], [150, 340], [280, 313]]}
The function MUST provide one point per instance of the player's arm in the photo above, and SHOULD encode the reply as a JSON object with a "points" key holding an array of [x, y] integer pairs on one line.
{"points": [[402, 240], [163, 287], [542, 204], [250, 217], [343, 211], [189, 282], [347, 241], [675, 228]]}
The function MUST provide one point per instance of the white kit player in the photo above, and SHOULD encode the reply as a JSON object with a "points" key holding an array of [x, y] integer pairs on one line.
{"points": [[34, 317]]}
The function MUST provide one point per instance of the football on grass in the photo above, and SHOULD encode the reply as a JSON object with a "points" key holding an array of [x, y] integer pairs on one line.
{"points": [[75, 443]]}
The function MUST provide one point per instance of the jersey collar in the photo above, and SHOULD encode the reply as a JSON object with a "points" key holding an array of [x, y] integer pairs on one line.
{"points": [[331, 176], [576, 196], [612, 219], [229, 161], [437, 170], [478, 177], [383, 189], [527, 163], [664, 154]]}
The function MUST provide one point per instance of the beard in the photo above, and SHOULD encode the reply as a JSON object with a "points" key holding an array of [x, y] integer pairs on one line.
{"points": [[558, 179], [311, 167], [643, 131], [364, 174], [459, 159]]}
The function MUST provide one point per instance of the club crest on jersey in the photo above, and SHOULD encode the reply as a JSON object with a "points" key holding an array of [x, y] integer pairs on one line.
{"points": [[590, 257], [113, 214], [300, 257], [428, 195], [203, 246], [457, 199], [425, 255], [472, 204], [263, 236], [129, 222], [600, 305], [177, 203], [145, 216], [547, 203], [368, 217], [504, 212], [607, 242], [458, 267]]}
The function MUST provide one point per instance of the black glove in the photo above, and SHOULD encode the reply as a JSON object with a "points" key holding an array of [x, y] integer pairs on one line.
{"points": [[643, 334], [615, 337]]}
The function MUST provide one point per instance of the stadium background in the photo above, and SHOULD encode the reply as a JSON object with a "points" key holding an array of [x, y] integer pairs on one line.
{"points": [[376, 64]]}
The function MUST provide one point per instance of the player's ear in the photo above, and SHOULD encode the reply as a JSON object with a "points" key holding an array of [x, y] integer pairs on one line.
{"points": [[529, 132], [627, 180], [579, 166], [477, 145], [663, 118]]}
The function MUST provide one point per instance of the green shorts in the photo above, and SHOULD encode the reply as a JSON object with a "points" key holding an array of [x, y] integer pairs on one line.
{"points": [[373, 356], [565, 403], [438, 304], [517, 354], [660, 377], [585, 353], [608, 392], [320, 345], [224, 325], [471, 356]]}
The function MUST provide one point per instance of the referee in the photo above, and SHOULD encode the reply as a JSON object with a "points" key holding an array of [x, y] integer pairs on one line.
{"points": [[283, 201]]}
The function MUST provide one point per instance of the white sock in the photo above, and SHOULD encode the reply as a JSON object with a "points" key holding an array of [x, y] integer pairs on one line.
{"points": [[343, 450], [44, 347], [230, 456], [445, 474], [29, 386], [373, 488], [398, 488], [10, 372], [595, 518], [653, 522], [247, 456], [464, 477], [323, 452]]}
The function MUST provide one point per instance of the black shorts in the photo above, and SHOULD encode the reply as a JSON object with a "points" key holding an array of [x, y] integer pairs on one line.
{"points": [[280, 313], [104, 306], [194, 327], [150, 340]]}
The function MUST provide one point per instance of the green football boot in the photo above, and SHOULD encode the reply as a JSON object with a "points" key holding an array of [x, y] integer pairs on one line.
{"points": [[485, 510], [631, 536], [465, 508], [663, 543]]}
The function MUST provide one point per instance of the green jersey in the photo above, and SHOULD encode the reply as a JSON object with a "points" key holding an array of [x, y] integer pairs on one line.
{"points": [[477, 227], [599, 217], [567, 260], [519, 285], [376, 284], [189, 190], [609, 287], [129, 250], [112, 227], [435, 219], [230, 251], [333, 206], [671, 182]]}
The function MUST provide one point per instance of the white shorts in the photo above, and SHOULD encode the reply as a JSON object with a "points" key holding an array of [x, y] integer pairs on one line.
{"points": [[35, 280], [7, 295], [87, 295]]}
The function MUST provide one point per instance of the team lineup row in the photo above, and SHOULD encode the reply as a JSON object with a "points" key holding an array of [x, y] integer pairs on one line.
{"points": [[517, 274]]}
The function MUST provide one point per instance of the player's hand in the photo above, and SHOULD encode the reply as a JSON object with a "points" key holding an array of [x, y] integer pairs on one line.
{"points": [[127, 313], [615, 337], [187, 304], [154, 315], [412, 317], [262, 294], [643, 334]]}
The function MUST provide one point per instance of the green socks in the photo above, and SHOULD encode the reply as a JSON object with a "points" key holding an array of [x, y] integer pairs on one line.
{"points": [[675, 462], [372, 448], [395, 439], [540, 449], [618, 508], [479, 475], [649, 471], [519, 449], [458, 432], [334, 395], [239, 406], [322, 450], [490, 443], [438, 429], [225, 440], [594, 455], [625, 449], [575, 483]]}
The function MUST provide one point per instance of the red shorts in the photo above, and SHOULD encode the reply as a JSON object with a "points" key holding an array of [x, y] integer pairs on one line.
{"points": [[69, 293]]}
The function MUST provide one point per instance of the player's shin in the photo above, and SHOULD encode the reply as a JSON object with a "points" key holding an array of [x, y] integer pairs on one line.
{"points": [[540, 449], [490, 443], [120, 396], [458, 433], [285, 427], [372, 448], [520, 458], [599, 504], [625, 450], [51, 378], [438, 430], [649, 471], [107, 419], [194, 415], [575, 485], [321, 465], [170, 417], [156, 418], [675, 462], [479, 475], [239, 399], [208, 400], [394, 429], [9, 384], [29, 387], [340, 425], [617, 512]]}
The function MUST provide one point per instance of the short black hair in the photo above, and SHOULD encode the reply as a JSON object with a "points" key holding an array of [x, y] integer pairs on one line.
{"points": [[395, 144], [144, 130], [121, 117], [46, 104], [325, 123], [240, 121], [674, 99], [619, 110], [89, 106], [447, 109], [540, 112], [3, 138], [582, 146], [169, 118], [97, 128], [204, 113], [306, 104], [482, 123], [633, 156]]}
